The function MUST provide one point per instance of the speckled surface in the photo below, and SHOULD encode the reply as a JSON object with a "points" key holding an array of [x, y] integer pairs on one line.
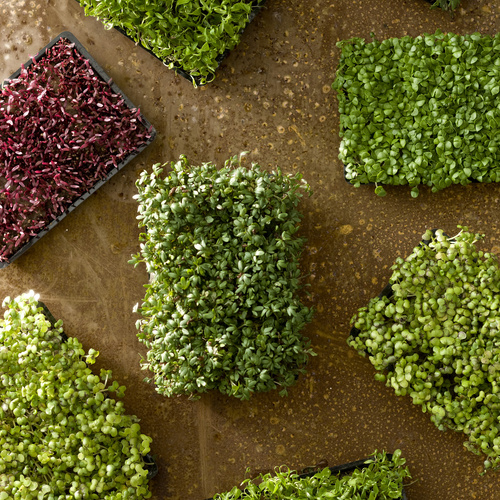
{"points": [[272, 98]]}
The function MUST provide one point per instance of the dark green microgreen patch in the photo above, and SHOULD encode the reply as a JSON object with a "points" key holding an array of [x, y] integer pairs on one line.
{"points": [[381, 479], [62, 436], [187, 34], [222, 308], [437, 337], [422, 110]]}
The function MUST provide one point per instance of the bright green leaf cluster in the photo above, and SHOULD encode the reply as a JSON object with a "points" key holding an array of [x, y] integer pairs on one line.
{"points": [[436, 337], [61, 436], [381, 478], [186, 34], [422, 110], [221, 311]]}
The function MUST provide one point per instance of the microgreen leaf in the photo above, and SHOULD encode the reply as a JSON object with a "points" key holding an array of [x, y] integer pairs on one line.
{"points": [[446, 4]]}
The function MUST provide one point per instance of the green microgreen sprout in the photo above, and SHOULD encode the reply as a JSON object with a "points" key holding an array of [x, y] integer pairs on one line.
{"points": [[445, 4], [380, 478], [420, 111]]}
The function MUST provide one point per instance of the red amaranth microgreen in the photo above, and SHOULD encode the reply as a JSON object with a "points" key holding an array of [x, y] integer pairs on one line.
{"points": [[62, 129]]}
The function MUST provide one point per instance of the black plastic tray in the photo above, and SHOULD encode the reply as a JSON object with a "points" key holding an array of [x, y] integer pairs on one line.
{"points": [[343, 470], [196, 80], [104, 76], [149, 462]]}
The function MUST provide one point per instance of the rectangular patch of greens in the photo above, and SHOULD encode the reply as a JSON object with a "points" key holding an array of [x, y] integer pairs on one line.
{"points": [[188, 35], [444, 4], [222, 311], [420, 111]]}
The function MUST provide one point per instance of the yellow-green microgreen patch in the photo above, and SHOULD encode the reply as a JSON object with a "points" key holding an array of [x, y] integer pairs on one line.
{"points": [[62, 435], [436, 337], [222, 310], [422, 110]]}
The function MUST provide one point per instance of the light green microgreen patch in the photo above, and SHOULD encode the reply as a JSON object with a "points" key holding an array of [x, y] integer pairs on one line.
{"points": [[436, 337], [422, 110], [381, 479], [222, 310], [186, 34], [62, 435]]}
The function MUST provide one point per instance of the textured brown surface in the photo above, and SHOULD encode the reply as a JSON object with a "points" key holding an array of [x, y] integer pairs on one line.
{"points": [[272, 97]]}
